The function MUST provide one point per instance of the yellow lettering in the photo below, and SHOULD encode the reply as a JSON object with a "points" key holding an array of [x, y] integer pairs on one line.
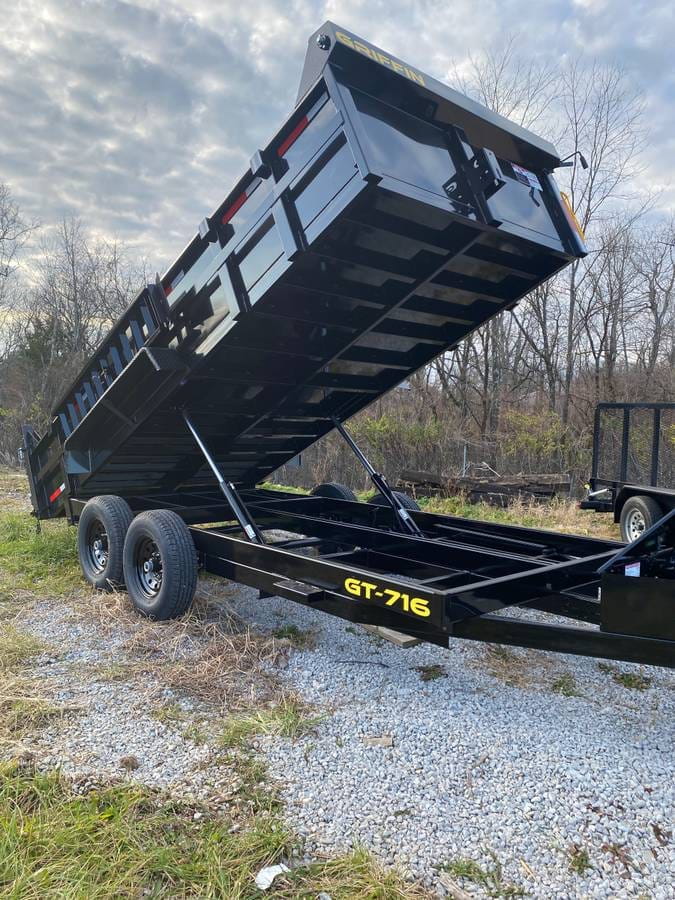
{"points": [[414, 76], [344, 39], [382, 58], [420, 607], [393, 596], [398, 67], [353, 587], [363, 49]]}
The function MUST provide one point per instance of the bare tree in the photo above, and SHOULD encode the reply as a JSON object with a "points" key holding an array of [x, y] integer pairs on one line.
{"points": [[601, 118], [78, 288], [14, 232], [655, 263], [510, 83]]}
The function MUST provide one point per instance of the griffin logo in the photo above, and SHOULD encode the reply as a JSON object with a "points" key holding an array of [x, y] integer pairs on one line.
{"points": [[380, 58]]}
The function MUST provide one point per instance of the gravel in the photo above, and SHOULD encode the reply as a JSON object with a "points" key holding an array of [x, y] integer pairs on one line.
{"points": [[476, 767], [111, 732], [486, 762]]}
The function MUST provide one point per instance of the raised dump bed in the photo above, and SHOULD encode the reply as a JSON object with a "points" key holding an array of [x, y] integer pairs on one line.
{"points": [[386, 219]]}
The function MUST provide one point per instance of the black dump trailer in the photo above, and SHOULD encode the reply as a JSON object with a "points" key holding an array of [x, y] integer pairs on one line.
{"points": [[633, 468], [387, 218]]}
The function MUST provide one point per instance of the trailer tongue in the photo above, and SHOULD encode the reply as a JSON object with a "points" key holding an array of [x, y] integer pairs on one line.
{"points": [[386, 219]]}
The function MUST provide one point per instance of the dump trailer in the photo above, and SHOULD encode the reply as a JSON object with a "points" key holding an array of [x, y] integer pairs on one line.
{"points": [[387, 218], [633, 468]]}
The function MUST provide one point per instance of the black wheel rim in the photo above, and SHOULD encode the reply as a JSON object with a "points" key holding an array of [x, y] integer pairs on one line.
{"points": [[97, 547], [148, 568]]}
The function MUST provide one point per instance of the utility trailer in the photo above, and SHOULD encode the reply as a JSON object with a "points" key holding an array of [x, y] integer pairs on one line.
{"points": [[387, 218], [633, 468]]}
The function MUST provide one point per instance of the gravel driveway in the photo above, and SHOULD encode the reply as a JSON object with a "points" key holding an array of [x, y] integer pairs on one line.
{"points": [[552, 773], [488, 761]]}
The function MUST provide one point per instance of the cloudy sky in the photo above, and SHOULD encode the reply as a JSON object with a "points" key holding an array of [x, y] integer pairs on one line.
{"points": [[138, 116]]}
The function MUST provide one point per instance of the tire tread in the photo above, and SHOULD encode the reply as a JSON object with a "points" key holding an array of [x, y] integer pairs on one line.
{"points": [[119, 516], [181, 555]]}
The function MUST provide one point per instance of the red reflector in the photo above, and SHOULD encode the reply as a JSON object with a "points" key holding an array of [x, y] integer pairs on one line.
{"points": [[238, 203], [167, 290], [293, 136], [57, 493]]}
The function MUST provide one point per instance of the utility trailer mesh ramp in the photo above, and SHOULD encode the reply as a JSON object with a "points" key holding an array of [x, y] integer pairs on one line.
{"points": [[386, 219]]}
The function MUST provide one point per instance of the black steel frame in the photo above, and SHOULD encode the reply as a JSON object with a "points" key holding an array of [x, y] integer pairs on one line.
{"points": [[351, 560], [168, 374]]}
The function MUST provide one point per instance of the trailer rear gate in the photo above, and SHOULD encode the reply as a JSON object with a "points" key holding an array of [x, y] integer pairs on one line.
{"points": [[387, 219]]}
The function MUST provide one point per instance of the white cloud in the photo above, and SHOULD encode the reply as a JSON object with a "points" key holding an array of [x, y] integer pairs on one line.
{"points": [[140, 115]]}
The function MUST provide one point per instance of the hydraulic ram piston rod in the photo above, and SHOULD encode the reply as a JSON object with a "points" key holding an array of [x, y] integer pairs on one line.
{"points": [[229, 491]]}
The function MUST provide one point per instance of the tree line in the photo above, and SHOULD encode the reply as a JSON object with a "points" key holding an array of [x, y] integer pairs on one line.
{"points": [[518, 393]]}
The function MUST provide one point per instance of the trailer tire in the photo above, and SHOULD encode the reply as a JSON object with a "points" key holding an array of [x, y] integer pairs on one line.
{"points": [[334, 491], [405, 500], [160, 564], [637, 515], [101, 531]]}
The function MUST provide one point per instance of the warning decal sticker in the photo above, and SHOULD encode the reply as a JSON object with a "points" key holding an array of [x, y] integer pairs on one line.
{"points": [[524, 176]]}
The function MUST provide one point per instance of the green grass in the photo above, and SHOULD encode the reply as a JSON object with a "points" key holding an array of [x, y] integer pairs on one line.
{"points": [[32, 561], [566, 685], [295, 636], [633, 680], [289, 718], [169, 714], [122, 842], [579, 859], [17, 648], [489, 878], [126, 841], [286, 488]]}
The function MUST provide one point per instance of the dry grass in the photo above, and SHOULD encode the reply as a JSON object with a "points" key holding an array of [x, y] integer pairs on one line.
{"points": [[514, 669], [14, 489], [216, 660], [121, 840], [25, 704], [287, 717], [210, 654], [558, 515], [356, 876], [17, 649], [24, 710]]}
